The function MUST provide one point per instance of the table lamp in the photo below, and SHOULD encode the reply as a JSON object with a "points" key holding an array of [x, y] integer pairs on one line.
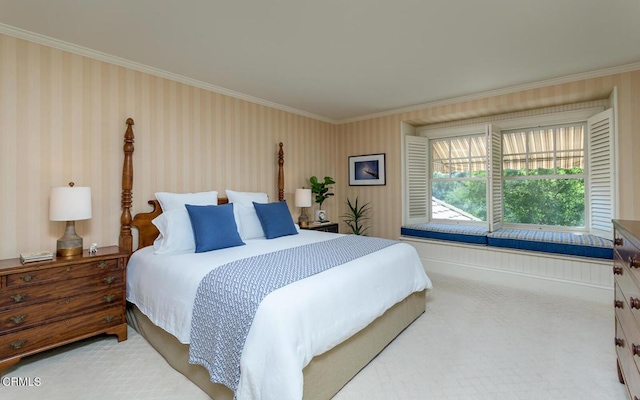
{"points": [[303, 200], [70, 203]]}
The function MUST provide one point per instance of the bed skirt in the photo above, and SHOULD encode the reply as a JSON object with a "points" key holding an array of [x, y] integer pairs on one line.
{"points": [[323, 377]]}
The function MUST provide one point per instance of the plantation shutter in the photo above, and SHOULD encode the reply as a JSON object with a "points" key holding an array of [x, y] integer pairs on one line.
{"points": [[417, 204], [600, 176], [494, 178]]}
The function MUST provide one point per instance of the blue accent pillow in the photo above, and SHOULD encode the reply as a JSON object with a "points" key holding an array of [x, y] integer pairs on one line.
{"points": [[275, 219], [214, 227]]}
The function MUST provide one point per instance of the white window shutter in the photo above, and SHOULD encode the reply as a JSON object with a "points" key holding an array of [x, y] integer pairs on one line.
{"points": [[417, 204], [600, 175], [494, 178]]}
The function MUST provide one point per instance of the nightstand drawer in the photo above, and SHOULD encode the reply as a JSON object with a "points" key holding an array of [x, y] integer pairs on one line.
{"points": [[26, 295], [25, 341], [61, 273], [26, 317], [322, 227]]}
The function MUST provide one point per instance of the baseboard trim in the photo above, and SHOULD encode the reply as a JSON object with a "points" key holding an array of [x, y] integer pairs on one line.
{"points": [[585, 279], [538, 284]]}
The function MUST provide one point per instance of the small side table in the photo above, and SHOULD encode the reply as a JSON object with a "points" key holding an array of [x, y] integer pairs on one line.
{"points": [[330, 227]]}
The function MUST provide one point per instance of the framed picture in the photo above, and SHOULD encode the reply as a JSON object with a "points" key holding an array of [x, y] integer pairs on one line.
{"points": [[367, 170]]}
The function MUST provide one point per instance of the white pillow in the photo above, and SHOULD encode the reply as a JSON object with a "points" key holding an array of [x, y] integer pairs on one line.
{"points": [[176, 232], [172, 201], [245, 214]]}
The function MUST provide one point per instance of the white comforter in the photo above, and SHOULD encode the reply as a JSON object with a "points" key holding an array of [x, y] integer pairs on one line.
{"points": [[293, 324]]}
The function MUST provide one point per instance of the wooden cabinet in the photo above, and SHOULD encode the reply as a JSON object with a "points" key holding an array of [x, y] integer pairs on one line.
{"points": [[322, 227], [626, 270], [47, 304]]}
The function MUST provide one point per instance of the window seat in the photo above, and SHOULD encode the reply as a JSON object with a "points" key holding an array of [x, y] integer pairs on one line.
{"points": [[455, 233], [583, 245]]}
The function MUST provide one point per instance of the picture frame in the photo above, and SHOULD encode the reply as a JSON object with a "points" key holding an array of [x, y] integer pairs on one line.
{"points": [[367, 170]]}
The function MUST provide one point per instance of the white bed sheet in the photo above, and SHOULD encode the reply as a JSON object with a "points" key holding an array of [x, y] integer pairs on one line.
{"points": [[293, 324]]}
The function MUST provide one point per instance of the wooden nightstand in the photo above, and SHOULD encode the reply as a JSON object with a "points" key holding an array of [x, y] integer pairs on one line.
{"points": [[322, 227], [48, 304]]}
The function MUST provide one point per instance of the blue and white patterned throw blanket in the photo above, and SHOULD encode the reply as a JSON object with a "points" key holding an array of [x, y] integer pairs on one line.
{"points": [[228, 297]]}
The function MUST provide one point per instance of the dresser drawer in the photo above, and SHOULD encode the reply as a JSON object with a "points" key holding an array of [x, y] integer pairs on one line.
{"points": [[628, 362], [626, 253], [628, 289], [71, 271], [25, 341], [32, 294], [26, 317]]}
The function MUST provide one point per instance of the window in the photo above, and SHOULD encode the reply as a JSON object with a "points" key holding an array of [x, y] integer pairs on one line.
{"points": [[459, 178], [557, 175], [544, 176]]}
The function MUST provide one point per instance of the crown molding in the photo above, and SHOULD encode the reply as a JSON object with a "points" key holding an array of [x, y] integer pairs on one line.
{"points": [[100, 56], [497, 92]]}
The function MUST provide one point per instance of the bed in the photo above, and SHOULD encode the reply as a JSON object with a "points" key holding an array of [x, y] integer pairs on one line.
{"points": [[340, 320]]}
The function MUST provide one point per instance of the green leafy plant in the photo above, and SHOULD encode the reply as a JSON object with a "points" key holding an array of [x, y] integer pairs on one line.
{"points": [[321, 188], [355, 217]]}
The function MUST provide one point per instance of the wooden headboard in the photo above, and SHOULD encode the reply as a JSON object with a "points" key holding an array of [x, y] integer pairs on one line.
{"points": [[147, 232]]}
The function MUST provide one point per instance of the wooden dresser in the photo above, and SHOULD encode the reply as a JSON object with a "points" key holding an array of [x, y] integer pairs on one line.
{"points": [[626, 271], [48, 304]]}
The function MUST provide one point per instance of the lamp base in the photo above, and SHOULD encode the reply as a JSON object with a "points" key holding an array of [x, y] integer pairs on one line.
{"points": [[303, 219], [70, 244]]}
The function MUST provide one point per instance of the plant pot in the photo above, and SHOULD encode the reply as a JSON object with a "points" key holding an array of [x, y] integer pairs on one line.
{"points": [[320, 215]]}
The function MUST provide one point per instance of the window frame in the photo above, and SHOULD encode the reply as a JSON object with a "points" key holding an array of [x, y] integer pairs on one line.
{"points": [[498, 125], [469, 178], [555, 175]]}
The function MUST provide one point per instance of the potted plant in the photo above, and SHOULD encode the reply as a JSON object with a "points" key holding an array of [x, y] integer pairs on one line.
{"points": [[355, 217], [320, 189]]}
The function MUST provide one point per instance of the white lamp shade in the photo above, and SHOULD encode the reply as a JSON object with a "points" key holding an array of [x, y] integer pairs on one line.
{"points": [[303, 197], [70, 203]]}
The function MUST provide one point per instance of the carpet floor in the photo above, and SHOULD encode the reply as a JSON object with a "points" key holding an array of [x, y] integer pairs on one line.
{"points": [[475, 341]]}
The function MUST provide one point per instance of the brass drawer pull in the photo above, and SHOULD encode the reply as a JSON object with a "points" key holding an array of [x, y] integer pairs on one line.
{"points": [[617, 270], [18, 319], [108, 318], [634, 302], [109, 279], [19, 297], [27, 277], [102, 264], [618, 241], [618, 304], [17, 344], [633, 262], [619, 342], [109, 298]]}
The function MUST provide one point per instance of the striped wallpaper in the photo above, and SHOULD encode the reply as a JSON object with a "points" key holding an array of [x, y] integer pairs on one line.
{"points": [[382, 135], [62, 119]]}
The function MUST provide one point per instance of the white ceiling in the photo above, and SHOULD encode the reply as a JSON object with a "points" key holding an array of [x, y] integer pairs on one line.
{"points": [[343, 59]]}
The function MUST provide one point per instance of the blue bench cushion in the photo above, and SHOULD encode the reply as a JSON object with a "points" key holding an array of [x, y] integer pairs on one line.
{"points": [[456, 233], [583, 245]]}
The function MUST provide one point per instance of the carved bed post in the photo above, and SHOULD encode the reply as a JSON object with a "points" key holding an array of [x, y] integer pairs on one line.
{"points": [[126, 239], [280, 173]]}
